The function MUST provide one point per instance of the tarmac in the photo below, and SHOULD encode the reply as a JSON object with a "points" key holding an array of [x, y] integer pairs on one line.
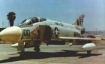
{"points": [[52, 54]]}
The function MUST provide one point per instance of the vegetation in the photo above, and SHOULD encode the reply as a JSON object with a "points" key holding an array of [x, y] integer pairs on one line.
{"points": [[11, 17]]}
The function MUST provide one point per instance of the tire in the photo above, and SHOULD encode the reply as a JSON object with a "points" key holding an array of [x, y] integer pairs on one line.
{"points": [[89, 52]]}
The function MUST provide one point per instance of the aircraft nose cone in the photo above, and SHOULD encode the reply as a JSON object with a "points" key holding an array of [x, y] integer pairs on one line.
{"points": [[10, 34]]}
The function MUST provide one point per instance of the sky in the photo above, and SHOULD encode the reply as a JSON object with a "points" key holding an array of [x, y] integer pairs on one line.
{"points": [[60, 10]]}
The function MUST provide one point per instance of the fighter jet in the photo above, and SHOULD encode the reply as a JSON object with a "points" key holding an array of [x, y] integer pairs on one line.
{"points": [[33, 31]]}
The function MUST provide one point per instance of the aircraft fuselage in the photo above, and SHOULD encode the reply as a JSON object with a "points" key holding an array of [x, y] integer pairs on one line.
{"points": [[57, 29]]}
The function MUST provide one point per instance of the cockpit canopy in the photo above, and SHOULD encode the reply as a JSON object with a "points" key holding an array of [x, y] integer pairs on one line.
{"points": [[32, 20]]}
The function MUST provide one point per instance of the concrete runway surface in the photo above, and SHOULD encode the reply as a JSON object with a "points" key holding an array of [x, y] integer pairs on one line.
{"points": [[52, 54]]}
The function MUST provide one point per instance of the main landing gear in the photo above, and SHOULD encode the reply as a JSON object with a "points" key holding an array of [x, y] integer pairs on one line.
{"points": [[89, 52], [37, 46]]}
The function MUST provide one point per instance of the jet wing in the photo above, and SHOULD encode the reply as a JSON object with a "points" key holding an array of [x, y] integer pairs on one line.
{"points": [[78, 38]]}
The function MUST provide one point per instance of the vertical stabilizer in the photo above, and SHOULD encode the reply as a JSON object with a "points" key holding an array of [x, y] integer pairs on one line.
{"points": [[79, 20]]}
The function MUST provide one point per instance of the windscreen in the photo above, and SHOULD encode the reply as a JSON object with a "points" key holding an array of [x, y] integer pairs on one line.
{"points": [[29, 21], [32, 20]]}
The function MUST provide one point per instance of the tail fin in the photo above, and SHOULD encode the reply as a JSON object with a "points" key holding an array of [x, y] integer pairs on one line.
{"points": [[79, 21]]}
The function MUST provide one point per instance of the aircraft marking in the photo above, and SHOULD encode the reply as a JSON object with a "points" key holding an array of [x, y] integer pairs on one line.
{"points": [[26, 32], [60, 24], [33, 32], [56, 32]]}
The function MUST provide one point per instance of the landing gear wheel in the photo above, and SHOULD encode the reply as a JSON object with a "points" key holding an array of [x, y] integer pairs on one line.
{"points": [[21, 53], [89, 52], [37, 46]]}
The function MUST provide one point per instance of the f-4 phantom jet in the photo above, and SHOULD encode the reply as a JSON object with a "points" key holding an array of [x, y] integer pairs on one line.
{"points": [[33, 31]]}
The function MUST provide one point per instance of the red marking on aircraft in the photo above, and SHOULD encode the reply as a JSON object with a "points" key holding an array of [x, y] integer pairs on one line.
{"points": [[34, 31]]}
